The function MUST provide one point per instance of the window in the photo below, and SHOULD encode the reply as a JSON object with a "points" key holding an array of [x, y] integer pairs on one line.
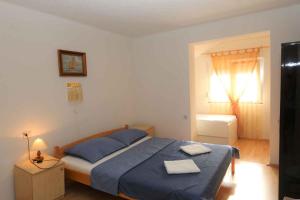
{"points": [[252, 91], [217, 92]]}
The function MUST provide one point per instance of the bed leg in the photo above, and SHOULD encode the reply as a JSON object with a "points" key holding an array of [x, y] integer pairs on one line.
{"points": [[232, 166]]}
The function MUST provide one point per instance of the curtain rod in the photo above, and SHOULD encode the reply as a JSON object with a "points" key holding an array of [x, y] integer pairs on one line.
{"points": [[217, 52]]}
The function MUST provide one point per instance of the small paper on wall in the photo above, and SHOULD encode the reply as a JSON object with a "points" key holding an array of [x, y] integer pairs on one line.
{"points": [[74, 92]]}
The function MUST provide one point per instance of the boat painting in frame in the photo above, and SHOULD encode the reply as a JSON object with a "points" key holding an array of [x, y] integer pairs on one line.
{"points": [[72, 63]]}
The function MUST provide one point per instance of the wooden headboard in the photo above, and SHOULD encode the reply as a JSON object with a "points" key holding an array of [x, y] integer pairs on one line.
{"points": [[59, 151]]}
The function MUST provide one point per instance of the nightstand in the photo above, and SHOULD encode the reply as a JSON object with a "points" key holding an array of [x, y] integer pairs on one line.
{"points": [[149, 129], [32, 183]]}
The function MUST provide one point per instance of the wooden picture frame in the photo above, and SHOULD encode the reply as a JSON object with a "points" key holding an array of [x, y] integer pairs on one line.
{"points": [[71, 63]]}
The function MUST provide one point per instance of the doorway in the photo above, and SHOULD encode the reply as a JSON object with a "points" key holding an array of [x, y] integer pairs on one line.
{"points": [[212, 110]]}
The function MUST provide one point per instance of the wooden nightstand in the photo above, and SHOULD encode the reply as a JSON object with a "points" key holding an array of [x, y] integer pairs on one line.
{"points": [[32, 183], [149, 129]]}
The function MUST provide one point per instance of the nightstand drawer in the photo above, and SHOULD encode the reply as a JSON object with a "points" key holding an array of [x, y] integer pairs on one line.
{"points": [[39, 183], [49, 184]]}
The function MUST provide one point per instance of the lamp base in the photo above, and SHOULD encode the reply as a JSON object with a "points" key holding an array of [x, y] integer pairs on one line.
{"points": [[38, 158]]}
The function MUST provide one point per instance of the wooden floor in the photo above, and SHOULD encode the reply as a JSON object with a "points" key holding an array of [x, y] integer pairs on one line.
{"points": [[254, 150], [254, 179]]}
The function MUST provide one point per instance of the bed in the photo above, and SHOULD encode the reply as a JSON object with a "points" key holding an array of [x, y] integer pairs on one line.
{"points": [[137, 171]]}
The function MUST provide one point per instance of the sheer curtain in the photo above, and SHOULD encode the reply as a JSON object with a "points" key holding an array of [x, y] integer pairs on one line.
{"points": [[238, 72]]}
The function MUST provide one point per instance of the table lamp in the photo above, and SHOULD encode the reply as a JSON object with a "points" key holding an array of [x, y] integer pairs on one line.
{"points": [[38, 146]]}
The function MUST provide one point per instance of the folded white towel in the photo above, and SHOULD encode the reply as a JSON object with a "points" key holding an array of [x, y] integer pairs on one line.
{"points": [[181, 167], [194, 149]]}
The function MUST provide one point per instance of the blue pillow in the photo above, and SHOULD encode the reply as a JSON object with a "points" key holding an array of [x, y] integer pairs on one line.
{"points": [[94, 149], [128, 136]]}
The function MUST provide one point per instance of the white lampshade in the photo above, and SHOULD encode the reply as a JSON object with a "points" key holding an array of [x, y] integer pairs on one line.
{"points": [[39, 145]]}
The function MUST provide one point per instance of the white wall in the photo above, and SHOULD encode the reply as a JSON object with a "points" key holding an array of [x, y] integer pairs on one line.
{"points": [[162, 68], [33, 96]]}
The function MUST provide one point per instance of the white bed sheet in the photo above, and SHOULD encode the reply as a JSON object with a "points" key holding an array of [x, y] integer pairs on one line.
{"points": [[86, 167]]}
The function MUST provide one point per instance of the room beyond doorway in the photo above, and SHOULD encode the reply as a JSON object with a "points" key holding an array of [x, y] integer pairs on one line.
{"points": [[231, 102]]}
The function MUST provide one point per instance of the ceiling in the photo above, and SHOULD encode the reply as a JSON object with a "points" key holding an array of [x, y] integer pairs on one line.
{"points": [[143, 17]]}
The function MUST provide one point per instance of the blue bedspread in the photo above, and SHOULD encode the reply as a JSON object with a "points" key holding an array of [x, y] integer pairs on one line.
{"points": [[105, 177], [145, 177]]}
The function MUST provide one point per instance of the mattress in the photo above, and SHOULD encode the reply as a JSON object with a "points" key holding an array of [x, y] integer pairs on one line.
{"points": [[83, 166], [216, 125]]}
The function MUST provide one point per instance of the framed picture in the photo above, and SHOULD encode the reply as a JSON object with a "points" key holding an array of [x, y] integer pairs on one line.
{"points": [[71, 63]]}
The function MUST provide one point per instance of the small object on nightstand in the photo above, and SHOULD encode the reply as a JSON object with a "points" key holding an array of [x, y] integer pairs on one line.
{"points": [[39, 183], [38, 146], [149, 129]]}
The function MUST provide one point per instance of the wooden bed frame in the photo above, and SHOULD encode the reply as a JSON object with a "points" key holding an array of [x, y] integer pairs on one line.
{"points": [[59, 152]]}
